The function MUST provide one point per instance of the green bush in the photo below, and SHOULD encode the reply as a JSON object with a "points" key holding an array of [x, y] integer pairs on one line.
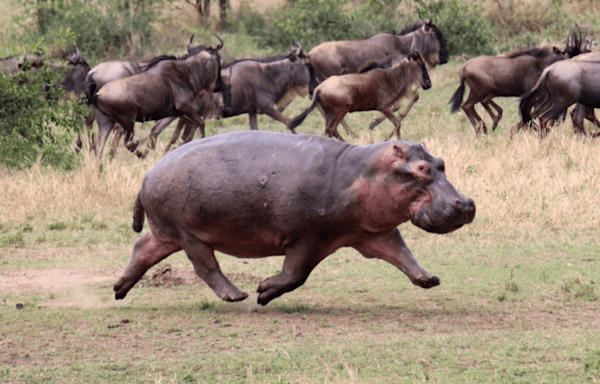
{"points": [[463, 26], [33, 124], [309, 22], [102, 28]]}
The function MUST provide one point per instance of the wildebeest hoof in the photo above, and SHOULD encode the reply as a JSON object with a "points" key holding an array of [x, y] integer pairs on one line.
{"points": [[426, 283]]}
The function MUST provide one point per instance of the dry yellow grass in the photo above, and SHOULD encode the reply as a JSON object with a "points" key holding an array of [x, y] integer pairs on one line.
{"points": [[524, 186]]}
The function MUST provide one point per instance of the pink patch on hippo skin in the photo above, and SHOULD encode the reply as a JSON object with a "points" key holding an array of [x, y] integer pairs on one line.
{"points": [[420, 202], [391, 157], [420, 169]]}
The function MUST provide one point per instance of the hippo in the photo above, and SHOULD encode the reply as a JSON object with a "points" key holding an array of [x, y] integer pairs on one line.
{"points": [[254, 194]]}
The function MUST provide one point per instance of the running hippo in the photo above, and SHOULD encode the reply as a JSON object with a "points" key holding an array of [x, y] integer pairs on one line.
{"points": [[254, 194]]}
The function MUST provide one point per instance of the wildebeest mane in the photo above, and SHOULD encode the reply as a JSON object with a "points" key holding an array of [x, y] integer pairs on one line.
{"points": [[411, 28], [270, 59], [154, 61], [538, 52]]}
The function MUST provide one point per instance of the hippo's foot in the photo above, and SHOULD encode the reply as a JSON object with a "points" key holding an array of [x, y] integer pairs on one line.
{"points": [[121, 289], [233, 296], [425, 282]]}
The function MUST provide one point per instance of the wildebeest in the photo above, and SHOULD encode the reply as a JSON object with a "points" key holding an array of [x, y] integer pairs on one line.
{"points": [[167, 87], [257, 86], [581, 112], [13, 64], [108, 71], [377, 89], [254, 194], [335, 58], [561, 85], [510, 75]]}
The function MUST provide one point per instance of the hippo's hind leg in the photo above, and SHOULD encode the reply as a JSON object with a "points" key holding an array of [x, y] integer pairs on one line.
{"points": [[207, 268], [147, 252], [392, 248], [299, 261]]}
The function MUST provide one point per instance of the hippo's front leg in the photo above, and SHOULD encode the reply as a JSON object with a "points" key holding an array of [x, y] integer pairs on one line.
{"points": [[391, 248]]}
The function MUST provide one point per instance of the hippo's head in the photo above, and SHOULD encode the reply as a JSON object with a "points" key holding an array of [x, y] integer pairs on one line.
{"points": [[443, 209]]}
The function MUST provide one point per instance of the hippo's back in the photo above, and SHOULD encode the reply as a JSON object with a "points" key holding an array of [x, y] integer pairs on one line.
{"points": [[251, 182]]}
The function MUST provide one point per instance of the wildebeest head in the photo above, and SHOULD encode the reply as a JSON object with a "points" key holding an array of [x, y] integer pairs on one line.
{"points": [[75, 76], [440, 208], [574, 42], [194, 50], [296, 54], [431, 43], [418, 59]]}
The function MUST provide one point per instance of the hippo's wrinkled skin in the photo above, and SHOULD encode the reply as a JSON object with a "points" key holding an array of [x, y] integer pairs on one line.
{"points": [[256, 194]]}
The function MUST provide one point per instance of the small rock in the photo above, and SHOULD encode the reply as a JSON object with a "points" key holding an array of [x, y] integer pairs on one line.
{"points": [[19, 306], [125, 321]]}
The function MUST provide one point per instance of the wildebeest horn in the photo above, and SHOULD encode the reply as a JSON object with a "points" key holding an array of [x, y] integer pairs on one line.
{"points": [[430, 18], [220, 45], [190, 43], [77, 52]]}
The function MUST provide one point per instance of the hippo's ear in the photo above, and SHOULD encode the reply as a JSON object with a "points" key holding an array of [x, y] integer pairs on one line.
{"points": [[400, 152]]}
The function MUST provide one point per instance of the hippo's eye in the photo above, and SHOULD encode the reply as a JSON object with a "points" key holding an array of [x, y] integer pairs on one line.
{"points": [[421, 168]]}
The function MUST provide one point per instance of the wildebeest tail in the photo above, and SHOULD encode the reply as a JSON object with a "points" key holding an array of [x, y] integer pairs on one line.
{"points": [[90, 89], [296, 121], [313, 83], [138, 215], [457, 98], [528, 97]]}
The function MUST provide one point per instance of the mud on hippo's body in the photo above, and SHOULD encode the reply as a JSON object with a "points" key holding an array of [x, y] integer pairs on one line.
{"points": [[255, 194]]}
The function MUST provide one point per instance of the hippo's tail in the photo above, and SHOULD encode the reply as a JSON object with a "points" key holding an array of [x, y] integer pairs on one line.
{"points": [[457, 98], [138, 215], [296, 121]]}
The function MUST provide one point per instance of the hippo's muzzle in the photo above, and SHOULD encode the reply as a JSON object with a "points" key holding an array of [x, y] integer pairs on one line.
{"points": [[445, 215]]}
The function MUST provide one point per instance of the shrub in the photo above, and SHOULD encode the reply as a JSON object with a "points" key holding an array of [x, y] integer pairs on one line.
{"points": [[463, 26], [101, 28], [33, 124]]}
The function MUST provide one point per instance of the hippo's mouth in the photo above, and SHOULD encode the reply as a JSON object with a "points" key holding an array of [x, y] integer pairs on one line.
{"points": [[441, 223]]}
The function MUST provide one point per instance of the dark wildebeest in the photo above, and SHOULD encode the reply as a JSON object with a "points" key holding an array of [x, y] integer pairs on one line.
{"points": [[377, 89], [109, 71], [561, 85], [255, 194], [510, 75], [167, 87], [336, 58], [256, 86], [15, 63], [580, 111]]}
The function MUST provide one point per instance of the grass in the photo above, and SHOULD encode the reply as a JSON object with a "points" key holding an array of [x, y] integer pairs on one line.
{"points": [[518, 300]]}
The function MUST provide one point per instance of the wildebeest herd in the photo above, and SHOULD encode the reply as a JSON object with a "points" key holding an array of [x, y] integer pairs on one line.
{"points": [[257, 194]]}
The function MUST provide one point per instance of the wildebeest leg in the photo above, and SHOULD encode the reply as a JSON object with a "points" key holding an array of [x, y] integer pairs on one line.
{"points": [[397, 123], [253, 122], [176, 133], [300, 259], [347, 129], [469, 108], [495, 118], [391, 248], [158, 127], [207, 268], [332, 120], [147, 252], [577, 116], [380, 119], [105, 126], [118, 133], [279, 117]]}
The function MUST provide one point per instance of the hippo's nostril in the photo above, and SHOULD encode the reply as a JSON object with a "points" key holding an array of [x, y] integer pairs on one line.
{"points": [[458, 204]]}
